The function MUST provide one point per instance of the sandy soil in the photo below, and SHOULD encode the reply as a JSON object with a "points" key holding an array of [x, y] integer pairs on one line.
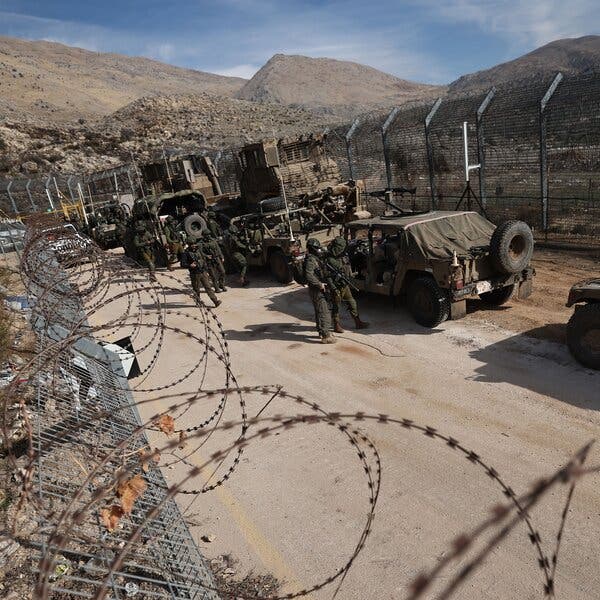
{"points": [[297, 502], [543, 315]]}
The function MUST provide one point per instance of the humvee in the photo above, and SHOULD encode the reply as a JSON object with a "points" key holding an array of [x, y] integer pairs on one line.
{"points": [[438, 259], [583, 328], [278, 238]]}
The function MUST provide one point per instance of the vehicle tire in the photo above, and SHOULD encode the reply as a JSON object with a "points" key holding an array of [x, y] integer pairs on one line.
{"points": [[194, 225], [272, 204], [280, 267], [427, 302], [498, 297], [511, 247], [583, 335]]}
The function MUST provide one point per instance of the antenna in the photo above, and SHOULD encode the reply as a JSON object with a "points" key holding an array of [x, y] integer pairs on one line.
{"points": [[468, 194]]}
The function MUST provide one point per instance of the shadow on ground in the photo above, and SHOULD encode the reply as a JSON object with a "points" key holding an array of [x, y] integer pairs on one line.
{"points": [[529, 360]]}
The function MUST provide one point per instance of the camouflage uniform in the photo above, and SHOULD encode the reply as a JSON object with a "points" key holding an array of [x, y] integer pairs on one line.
{"points": [[143, 242], [316, 279], [340, 290], [213, 225], [216, 262], [195, 260], [173, 240], [239, 250]]}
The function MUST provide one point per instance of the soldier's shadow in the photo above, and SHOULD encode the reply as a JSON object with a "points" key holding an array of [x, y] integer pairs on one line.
{"points": [[289, 332]]}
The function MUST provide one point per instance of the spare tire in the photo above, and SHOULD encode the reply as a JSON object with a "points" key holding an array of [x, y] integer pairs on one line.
{"points": [[194, 225], [511, 247], [272, 204]]}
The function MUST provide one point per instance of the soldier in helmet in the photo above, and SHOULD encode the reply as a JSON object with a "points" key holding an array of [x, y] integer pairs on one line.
{"points": [[216, 262], [317, 280], [239, 249], [143, 242], [194, 259], [213, 224], [173, 238], [339, 269]]}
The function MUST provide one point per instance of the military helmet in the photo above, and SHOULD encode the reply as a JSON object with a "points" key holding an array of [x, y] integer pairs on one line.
{"points": [[191, 241], [313, 244], [338, 246]]}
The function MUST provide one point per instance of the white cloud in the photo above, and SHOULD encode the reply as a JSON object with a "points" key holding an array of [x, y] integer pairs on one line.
{"points": [[529, 23], [244, 71]]}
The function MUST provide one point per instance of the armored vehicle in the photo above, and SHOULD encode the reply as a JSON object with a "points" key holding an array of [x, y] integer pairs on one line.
{"points": [[583, 329], [439, 259]]}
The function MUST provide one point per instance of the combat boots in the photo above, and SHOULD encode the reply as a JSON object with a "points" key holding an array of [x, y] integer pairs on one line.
{"points": [[337, 327], [328, 339], [360, 324]]}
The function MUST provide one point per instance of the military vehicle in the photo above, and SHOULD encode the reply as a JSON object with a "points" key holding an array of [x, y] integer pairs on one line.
{"points": [[583, 328], [278, 224], [438, 259], [277, 238], [184, 206], [109, 225]]}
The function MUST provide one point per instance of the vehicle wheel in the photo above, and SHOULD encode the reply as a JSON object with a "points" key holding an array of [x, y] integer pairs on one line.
{"points": [[194, 225], [427, 302], [511, 247], [498, 297], [583, 335], [280, 267]]}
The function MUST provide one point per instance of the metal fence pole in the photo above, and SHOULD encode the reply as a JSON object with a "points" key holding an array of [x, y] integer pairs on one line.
{"points": [[72, 196], [33, 205], [430, 164], [481, 144], [543, 150], [386, 150], [349, 135], [10, 197], [48, 193]]}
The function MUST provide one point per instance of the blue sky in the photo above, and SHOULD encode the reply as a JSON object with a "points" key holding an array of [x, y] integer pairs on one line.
{"points": [[432, 41]]}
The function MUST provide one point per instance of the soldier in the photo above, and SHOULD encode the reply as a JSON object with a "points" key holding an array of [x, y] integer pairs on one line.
{"points": [[339, 270], [239, 249], [216, 262], [213, 224], [173, 238], [195, 260], [316, 278], [143, 242]]}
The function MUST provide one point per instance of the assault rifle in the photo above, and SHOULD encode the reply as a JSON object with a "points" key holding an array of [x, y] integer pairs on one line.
{"points": [[340, 275]]}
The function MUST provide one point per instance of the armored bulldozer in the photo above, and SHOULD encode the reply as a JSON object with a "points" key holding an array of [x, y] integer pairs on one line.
{"points": [[583, 329]]}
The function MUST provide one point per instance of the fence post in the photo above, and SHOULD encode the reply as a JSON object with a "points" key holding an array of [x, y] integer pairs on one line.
{"points": [[481, 144], [349, 145], [49, 194], [10, 197], [33, 205], [71, 195], [428, 120], [386, 154], [543, 150]]}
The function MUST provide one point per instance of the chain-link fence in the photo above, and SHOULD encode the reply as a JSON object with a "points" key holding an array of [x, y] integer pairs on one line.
{"points": [[537, 144]]}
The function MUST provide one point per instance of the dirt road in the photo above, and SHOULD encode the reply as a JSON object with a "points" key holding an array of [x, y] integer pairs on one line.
{"points": [[298, 501]]}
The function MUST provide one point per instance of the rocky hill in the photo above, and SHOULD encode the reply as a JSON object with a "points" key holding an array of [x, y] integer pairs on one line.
{"points": [[189, 122], [61, 83], [570, 56], [330, 86]]}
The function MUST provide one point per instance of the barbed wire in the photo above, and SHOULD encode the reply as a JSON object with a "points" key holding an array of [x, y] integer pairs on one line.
{"points": [[104, 473]]}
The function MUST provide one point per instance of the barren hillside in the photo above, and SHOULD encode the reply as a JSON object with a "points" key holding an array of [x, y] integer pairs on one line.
{"points": [[570, 56], [330, 86], [49, 80], [189, 122]]}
